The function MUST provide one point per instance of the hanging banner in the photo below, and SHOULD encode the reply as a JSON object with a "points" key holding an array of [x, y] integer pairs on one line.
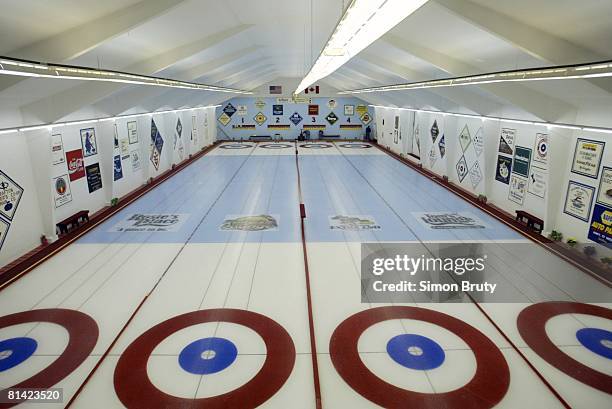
{"points": [[61, 191], [349, 110], [366, 118], [587, 157], [442, 147], [94, 177], [478, 141], [242, 110], [76, 164], [465, 139], [88, 142], [462, 169], [331, 118], [132, 128], [277, 109], [295, 118], [538, 181], [229, 109], [157, 145], [504, 167], [224, 119], [313, 110], [578, 200], [4, 228], [57, 150], [506, 141], [135, 157], [117, 168], [604, 196], [434, 131], [518, 187], [540, 159], [522, 161], [600, 230], [260, 118], [10, 196], [475, 175]]}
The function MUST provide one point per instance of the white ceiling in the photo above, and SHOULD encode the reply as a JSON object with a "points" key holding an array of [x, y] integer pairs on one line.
{"points": [[246, 44]]}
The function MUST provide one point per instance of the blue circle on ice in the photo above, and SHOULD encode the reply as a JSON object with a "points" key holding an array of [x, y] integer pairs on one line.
{"points": [[596, 340], [208, 355], [14, 351], [415, 352]]}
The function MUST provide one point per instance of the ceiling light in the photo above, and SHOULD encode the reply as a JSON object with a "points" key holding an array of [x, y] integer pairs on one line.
{"points": [[363, 22], [579, 71], [9, 66]]}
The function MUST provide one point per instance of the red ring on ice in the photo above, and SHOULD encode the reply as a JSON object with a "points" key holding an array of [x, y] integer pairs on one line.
{"points": [[531, 324], [485, 389], [83, 335], [135, 389]]}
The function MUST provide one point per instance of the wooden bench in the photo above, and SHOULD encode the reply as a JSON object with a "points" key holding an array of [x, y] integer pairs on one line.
{"points": [[534, 223], [74, 220]]}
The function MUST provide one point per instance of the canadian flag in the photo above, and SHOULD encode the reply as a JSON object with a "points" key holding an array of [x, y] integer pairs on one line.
{"points": [[314, 89]]}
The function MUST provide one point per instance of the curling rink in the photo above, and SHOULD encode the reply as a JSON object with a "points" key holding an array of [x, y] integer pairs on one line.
{"points": [[215, 292]]}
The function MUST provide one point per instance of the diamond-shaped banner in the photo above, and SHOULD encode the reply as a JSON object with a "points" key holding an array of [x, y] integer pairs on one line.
{"points": [[462, 169], [229, 109], [434, 131], [296, 118], [331, 118], [478, 141], [10, 196], [224, 119], [464, 138], [366, 118], [260, 118]]}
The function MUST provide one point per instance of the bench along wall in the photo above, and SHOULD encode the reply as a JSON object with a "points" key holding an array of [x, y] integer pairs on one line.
{"points": [[83, 166], [265, 117]]}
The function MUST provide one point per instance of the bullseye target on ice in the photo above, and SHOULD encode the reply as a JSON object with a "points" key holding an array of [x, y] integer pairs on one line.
{"points": [[16, 351], [236, 146], [206, 356], [316, 145], [532, 323], [355, 145], [276, 146], [415, 351]]}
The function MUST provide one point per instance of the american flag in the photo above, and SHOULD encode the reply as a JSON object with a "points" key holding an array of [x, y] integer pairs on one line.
{"points": [[276, 89], [314, 89]]}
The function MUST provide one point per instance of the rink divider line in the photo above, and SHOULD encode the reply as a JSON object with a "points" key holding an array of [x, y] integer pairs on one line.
{"points": [[23, 267], [313, 343], [497, 214]]}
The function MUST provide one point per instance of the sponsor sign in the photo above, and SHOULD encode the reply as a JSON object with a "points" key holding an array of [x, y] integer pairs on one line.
{"points": [[135, 158], [61, 190], [331, 118], [349, 110], [132, 129], [518, 186], [465, 139], [94, 177], [117, 168], [301, 100], [600, 230], [506, 141], [242, 110], [284, 100], [313, 109], [10, 196], [587, 157], [361, 109], [366, 118], [125, 146], [76, 164], [442, 146], [260, 118], [538, 180], [332, 103], [478, 141], [475, 174], [503, 170], [88, 142], [260, 104], [57, 150], [4, 228], [604, 196], [224, 119], [522, 161], [449, 221], [262, 222], [229, 109], [158, 145], [462, 169], [578, 200], [277, 109], [295, 118], [148, 222], [540, 159], [353, 223], [433, 156], [434, 131]]}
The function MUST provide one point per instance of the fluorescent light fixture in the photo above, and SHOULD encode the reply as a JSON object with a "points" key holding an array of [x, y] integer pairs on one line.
{"points": [[10, 66], [94, 120], [512, 120], [579, 71], [363, 22]]}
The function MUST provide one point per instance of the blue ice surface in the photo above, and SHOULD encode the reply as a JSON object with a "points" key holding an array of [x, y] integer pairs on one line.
{"points": [[215, 187]]}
